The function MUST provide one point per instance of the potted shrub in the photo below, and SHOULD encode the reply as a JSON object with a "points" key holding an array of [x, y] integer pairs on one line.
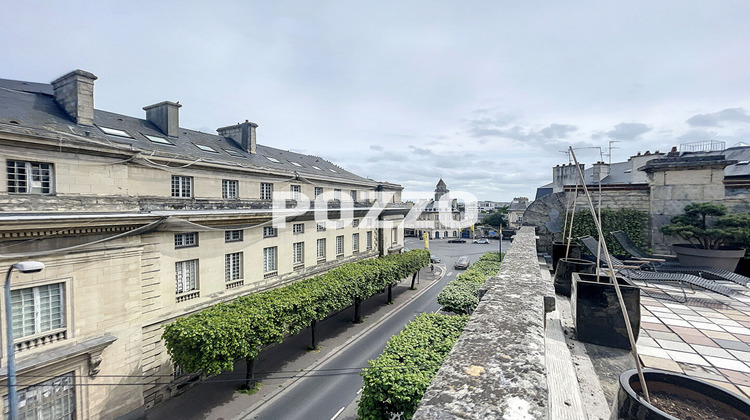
{"points": [[675, 396], [711, 234]]}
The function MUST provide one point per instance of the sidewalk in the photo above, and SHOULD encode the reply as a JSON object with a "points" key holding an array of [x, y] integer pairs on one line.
{"points": [[278, 366]]}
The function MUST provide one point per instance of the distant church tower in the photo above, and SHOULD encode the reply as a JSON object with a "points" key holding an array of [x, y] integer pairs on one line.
{"points": [[440, 189]]}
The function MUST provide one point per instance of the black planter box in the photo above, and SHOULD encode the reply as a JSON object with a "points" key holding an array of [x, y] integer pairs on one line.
{"points": [[597, 316], [558, 251], [564, 273]]}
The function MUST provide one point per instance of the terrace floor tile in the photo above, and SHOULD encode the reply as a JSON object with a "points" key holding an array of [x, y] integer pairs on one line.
{"points": [[693, 358]]}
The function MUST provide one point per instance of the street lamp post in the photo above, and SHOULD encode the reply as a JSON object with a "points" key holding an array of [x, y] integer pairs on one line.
{"points": [[23, 267]]}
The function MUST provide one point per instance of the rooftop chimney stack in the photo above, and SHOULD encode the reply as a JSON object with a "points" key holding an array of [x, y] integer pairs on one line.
{"points": [[166, 116], [243, 134], [600, 171], [563, 175], [74, 92]]}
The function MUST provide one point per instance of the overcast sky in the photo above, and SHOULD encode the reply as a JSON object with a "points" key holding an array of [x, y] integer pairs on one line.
{"points": [[485, 94]]}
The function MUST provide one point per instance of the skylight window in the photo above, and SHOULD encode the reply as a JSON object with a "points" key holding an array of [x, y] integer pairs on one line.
{"points": [[743, 162], [157, 139], [206, 148], [295, 163], [332, 170], [316, 167], [115, 132], [234, 153], [272, 159]]}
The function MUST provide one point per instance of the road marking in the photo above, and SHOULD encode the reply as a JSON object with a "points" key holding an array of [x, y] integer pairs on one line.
{"points": [[450, 273], [337, 413]]}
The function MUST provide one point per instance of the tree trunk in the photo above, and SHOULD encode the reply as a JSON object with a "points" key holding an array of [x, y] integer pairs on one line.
{"points": [[249, 373], [357, 310], [314, 345], [413, 278], [390, 293]]}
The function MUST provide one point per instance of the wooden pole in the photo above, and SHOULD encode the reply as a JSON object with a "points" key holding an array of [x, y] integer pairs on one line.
{"points": [[612, 274]]}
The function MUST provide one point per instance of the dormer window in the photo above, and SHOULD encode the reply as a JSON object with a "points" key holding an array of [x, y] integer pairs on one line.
{"points": [[157, 139], [115, 132], [206, 148]]}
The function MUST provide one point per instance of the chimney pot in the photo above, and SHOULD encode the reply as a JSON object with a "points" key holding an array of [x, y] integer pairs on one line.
{"points": [[166, 116], [74, 92]]}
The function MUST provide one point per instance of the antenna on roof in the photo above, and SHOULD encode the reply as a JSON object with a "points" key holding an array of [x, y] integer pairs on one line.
{"points": [[609, 154]]}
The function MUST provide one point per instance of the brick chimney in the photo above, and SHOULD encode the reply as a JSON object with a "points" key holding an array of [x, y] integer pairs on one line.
{"points": [[74, 92], [600, 170], [243, 134], [166, 116]]}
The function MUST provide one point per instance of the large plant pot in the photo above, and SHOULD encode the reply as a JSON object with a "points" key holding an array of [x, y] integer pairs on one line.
{"points": [[558, 251], [564, 273], [725, 257], [597, 316], [695, 393]]}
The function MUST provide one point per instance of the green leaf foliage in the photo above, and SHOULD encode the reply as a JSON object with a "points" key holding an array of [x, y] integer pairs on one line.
{"points": [[211, 340], [632, 222], [396, 381], [498, 218], [708, 226], [461, 296]]}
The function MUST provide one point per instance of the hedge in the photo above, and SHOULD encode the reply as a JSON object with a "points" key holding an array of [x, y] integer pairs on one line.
{"points": [[632, 222], [461, 295], [396, 381], [211, 340]]}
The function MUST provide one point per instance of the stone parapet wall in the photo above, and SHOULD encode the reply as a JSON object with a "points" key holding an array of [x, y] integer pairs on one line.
{"points": [[497, 367]]}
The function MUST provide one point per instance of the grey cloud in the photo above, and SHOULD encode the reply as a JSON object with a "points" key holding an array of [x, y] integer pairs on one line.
{"points": [[715, 119], [558, 131], [376, 147], [420, 150], [388, 157], [628, 131]]}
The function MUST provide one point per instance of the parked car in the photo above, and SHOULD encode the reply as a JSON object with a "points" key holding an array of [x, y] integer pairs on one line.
{"points": [[434, 258], [481, 241], [457, 241], [462, 263]]}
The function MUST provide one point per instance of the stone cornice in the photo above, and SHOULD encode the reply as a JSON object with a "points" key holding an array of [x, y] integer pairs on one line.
{"points": [[685, 163]]}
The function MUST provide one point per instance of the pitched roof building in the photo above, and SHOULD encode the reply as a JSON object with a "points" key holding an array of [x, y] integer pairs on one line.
{"points": [[140, 221]]}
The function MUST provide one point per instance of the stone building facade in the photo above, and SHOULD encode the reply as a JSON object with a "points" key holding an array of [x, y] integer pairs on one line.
{"points": [[139, 221], [440, 217], [659, 184]]}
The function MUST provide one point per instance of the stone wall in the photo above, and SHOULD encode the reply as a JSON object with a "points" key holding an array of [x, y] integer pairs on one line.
{"points": [[497, 367]]}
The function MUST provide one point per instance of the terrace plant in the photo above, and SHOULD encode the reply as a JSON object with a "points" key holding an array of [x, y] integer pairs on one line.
{"points": [[709, 226]]}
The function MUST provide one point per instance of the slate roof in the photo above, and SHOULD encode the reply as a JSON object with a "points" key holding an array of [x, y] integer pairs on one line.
{"points": [[32, 105]]}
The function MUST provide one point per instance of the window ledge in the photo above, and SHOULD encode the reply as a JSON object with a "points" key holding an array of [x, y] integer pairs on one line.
{"points": [[39, 340], [187, 296], [235, 283], [92, 349]]}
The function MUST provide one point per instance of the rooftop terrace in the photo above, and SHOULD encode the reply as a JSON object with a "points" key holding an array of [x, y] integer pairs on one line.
{"points": [[517, 361]]}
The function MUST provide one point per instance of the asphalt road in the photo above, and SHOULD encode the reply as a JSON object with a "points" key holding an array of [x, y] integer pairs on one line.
{"points": [[336, 383]]}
